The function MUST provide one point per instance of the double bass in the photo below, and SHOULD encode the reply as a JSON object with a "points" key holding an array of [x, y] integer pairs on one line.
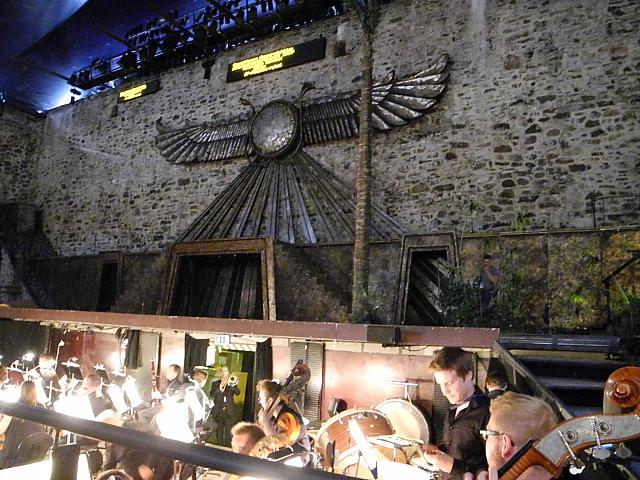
{"points": [[563, 444]]}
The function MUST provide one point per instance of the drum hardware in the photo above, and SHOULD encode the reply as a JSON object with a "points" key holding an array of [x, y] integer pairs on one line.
{"points": [[365, 450], [404, 384]]}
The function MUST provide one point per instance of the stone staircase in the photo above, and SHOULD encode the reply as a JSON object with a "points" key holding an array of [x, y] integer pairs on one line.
{"points": [[306, 291], [573, 368], [21, 239]]}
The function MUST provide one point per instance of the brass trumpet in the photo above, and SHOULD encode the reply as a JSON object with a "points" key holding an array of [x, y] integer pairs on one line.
{"points": [[233, 380]]}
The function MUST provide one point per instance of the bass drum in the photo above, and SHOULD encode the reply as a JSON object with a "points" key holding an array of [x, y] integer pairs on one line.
{"points": [[335, 432], [407, 420]]}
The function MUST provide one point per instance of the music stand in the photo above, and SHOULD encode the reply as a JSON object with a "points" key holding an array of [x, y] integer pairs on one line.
{"points": [[72, 370], [119, 377], [117, 398], [103, 374]]}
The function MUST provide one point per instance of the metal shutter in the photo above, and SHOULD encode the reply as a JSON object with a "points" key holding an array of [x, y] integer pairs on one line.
{"points": [[313, 355]]}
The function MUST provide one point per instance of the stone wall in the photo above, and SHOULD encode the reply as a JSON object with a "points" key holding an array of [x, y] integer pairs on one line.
{"points": [[19, 135], [541, 110]]}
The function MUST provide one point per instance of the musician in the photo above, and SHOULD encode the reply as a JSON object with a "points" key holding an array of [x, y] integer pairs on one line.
{"points": [[173, 392], [4, 419], [516, 419], [496, 384], [137, 463], [174, 384], [462, 448], [244, 436], [92, 385], [46, 374], [17, 429], [224, 407], [199, 379], [4, 377], [280, 421]]}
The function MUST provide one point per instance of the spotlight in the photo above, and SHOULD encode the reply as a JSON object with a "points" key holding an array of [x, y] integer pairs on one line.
{"points": [[102, 66], [128, 61], [28, 357]]}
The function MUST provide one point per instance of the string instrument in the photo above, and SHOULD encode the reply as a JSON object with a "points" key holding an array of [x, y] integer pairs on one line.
{"points": [[156, 396], [563, 444]]}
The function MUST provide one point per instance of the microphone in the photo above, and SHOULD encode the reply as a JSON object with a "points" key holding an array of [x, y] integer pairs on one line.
{"points": [[61, 343]]}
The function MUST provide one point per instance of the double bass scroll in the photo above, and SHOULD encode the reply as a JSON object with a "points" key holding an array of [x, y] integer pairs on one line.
{"points": [[571, 437]]}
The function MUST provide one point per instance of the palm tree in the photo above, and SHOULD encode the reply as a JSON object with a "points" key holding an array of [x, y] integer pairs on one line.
{"points": [[368, 12]]}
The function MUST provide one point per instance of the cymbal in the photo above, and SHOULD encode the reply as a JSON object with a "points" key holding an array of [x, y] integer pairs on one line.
{"points": [[71, 364], [99, 367], [15, 369]]}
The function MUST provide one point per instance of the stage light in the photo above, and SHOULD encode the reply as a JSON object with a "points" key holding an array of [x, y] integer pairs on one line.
{"points": [[28, 357], [128, 61], [77, 406], [102, 66], [172, 422]]}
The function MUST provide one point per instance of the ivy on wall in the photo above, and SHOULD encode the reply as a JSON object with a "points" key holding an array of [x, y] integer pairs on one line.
{"points": [[546, 283]]}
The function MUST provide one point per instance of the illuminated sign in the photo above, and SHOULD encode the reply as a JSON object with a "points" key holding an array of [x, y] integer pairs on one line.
{"points": [[138, 91], [283, 58]]}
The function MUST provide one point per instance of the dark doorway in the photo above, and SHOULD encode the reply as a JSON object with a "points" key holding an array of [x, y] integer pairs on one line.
{"points": [[222, 286], [427, 269], [108, 287]]}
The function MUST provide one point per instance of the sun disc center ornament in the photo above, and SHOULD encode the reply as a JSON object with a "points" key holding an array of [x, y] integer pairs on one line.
{"points": [[274, 129]]}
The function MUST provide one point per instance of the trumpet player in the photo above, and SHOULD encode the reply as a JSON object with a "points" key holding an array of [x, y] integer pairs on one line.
{"points": [[224, 407]]}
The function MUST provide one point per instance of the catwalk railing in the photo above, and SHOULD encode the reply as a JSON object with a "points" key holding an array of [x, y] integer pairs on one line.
{"points": [[212, 458]]}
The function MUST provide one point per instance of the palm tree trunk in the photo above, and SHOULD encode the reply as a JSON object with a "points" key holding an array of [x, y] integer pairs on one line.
{"points": [[360, 285]]}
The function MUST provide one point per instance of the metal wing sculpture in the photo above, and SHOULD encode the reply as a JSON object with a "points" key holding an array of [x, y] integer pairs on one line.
{"points": [[203, 143], [395, 103], [283, 192]]}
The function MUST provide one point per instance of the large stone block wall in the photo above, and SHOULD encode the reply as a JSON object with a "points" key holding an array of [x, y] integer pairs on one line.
{"points": [[19, 134], [541, 110]]}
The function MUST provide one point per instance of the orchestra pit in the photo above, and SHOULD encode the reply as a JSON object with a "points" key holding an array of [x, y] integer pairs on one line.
{"points": [[319, 239]]}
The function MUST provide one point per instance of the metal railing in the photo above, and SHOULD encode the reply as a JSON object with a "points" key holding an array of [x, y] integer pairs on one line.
{"points": [[212, 458], [522, 374]]}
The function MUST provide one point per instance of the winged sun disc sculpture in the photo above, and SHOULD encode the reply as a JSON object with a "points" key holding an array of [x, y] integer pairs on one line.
{"points": [[283, 192]]}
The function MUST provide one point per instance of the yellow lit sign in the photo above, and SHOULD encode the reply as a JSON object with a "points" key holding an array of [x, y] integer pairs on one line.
{"points": [[263, 63], [138, 91], [283, 58], [132, 93]]}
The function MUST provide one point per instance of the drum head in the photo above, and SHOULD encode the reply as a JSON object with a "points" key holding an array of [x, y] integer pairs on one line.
{"points": [[335, 431], [408, 420]]}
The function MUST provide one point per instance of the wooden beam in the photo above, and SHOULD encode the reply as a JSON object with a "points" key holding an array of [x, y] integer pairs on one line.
{"points": [[408, 335]]}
